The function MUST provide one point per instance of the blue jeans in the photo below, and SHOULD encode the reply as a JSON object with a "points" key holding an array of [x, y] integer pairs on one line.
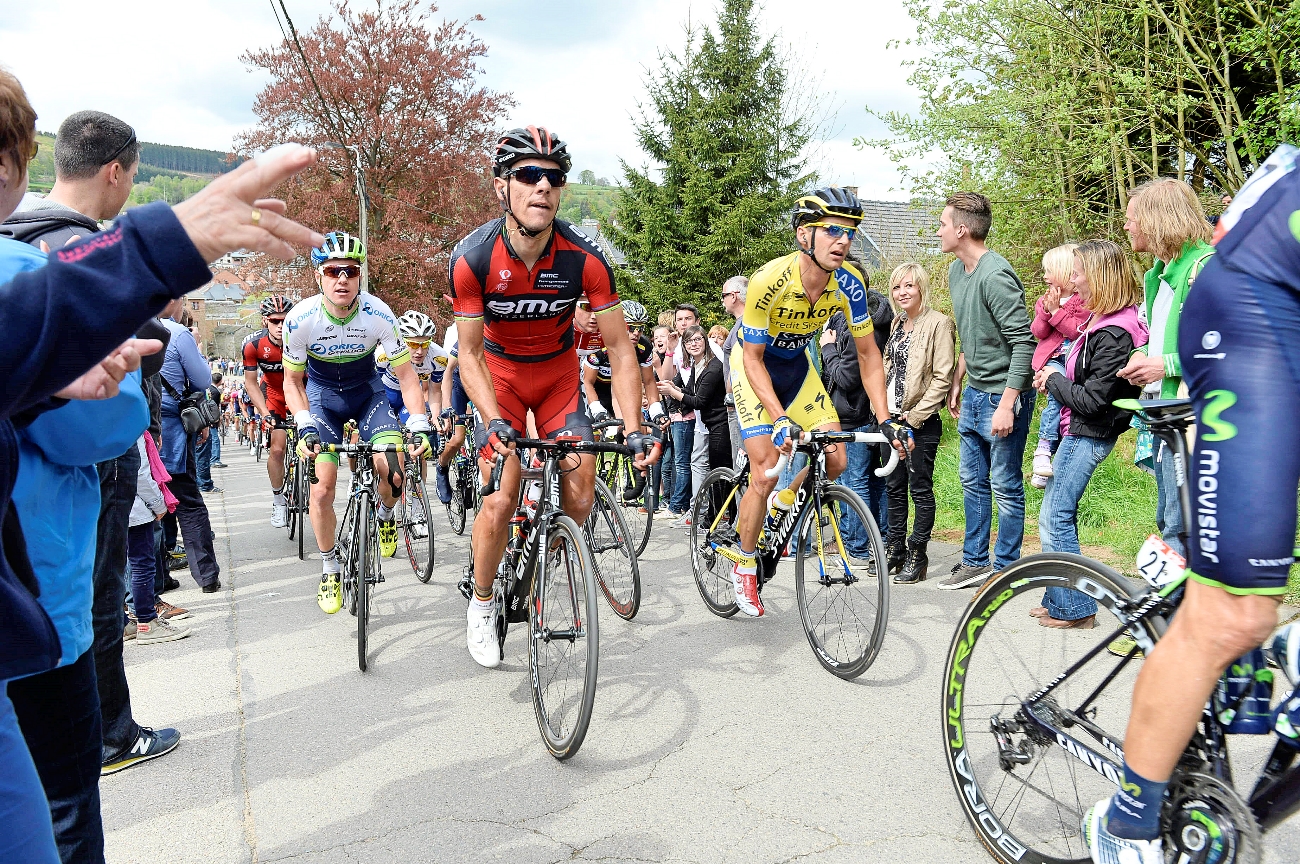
{"points": [[116, 496], [1058, 520], [1169, 512], [1049, 422], [215, 437], [142, 551], [858, 475], [24, 811], [991, 471], [683, 432], [203, 462], [58, 712]]}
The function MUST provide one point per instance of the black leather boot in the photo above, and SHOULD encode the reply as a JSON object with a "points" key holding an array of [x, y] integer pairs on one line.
{"points": [[914, 569], [895, 555]]}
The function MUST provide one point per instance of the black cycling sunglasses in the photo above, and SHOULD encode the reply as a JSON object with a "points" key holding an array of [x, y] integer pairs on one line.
{"points": [[533, 174]]}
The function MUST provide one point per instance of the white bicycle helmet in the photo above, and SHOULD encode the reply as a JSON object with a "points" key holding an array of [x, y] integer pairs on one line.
{"points": [[416, 326]]}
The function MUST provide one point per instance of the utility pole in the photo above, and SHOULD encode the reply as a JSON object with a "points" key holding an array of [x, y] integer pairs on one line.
{"points": [[362, 221]]}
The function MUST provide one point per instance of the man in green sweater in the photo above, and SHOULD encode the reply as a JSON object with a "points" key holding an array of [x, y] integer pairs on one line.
{"points": [[988, 301]]}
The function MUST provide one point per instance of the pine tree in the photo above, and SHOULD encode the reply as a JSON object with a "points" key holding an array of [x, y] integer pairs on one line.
{"points": [[728, 159]]}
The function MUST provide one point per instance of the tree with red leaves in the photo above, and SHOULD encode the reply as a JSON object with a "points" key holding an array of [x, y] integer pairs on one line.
{"points": [[406, 94]]}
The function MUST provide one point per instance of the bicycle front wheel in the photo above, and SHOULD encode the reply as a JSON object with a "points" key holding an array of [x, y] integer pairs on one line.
{"points": [[612, 554], [367, 575], [1024, 793], [418, 525], [713, 526], [290, 489], [456, 506], [844, 614], [564, 643]]}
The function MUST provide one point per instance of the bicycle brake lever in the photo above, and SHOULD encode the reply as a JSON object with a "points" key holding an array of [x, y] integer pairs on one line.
{"points": [[494, 480]]}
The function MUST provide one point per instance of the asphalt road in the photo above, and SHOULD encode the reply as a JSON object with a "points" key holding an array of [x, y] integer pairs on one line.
{"points": [[711, 741]]}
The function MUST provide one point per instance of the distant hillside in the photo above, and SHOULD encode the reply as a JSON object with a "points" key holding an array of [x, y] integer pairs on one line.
{"points": [[582, 201], [167, 172], [188, 160]]}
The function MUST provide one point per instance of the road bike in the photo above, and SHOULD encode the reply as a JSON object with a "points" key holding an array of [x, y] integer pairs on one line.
{"points": [[358, 535], [632, 494], [1034, 717], [546, 578], [415, 516], [843, 614], [612, 540], [462, 477]]}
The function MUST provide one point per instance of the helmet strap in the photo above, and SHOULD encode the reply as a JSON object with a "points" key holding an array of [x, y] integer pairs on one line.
{"points": [[519, 226], [811, 253]]}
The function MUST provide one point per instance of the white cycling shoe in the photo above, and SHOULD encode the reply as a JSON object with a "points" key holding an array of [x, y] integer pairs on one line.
{"points": [[746, 587], [1106, 848], [279, 515], [481, 635]]}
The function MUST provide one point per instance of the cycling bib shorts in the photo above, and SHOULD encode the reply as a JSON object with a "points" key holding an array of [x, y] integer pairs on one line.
{"points": [[366, 403], [797, 386], [551, 389], [1239, 345]]}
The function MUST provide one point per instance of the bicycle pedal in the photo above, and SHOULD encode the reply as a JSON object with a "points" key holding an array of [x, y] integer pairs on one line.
{"points": [[466, 584]]}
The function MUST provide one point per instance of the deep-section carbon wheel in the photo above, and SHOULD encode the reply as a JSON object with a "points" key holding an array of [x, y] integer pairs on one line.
{"points": [[564, 638], [1023, 792]]}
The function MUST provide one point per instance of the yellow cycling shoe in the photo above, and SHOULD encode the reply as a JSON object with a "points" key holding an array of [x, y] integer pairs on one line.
{"points": [[388, 537], [329, 596]]}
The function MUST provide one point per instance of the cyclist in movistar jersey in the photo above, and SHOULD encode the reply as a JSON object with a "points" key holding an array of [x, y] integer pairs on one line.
{"points": [[1237, 342], [330, 377], [777, 391], [262, 353]]}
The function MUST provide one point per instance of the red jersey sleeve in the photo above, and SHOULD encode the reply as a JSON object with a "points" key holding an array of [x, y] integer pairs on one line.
{"points": [[466, 291], [598, 283], [250, 355]]}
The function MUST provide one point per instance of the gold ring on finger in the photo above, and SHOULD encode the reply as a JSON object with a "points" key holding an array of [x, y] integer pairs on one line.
{"points": [[257, 217]]}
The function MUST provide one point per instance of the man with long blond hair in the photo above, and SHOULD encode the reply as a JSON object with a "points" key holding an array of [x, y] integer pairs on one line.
{"points": [[1166, 220]]}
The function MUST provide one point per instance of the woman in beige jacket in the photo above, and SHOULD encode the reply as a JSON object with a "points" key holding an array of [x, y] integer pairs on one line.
{"points": [[920, 358]]}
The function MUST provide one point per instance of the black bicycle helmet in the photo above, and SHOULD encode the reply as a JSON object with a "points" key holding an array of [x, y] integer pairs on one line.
{"points": [[532, 142], [827, 201], [276, 304]]}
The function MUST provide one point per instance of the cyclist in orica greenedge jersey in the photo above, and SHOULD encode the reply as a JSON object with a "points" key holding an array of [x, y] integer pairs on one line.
{"points": [[330, 377]]}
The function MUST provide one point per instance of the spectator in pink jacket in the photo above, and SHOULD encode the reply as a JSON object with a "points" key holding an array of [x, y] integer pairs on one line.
{"points": [[1059, 318]]}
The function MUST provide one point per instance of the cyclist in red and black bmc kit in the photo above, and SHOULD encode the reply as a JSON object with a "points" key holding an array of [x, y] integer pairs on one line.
{"points": [[515, 284], [262, 352]]}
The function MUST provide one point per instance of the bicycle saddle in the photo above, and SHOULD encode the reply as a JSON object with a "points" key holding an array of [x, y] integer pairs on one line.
{"points": [[1171, 412]]}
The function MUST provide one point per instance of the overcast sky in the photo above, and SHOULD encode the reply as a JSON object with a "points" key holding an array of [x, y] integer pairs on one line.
{"points": [[172, 68]]}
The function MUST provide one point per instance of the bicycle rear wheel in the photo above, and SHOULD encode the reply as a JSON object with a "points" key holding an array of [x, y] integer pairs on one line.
{"points": [[637, 512], [713, 521], [417, 527], [290, 490], [303, 508], [612, 556], [564, 643], [456, 506], [844, 615], [261, 442], [1024, 794]]}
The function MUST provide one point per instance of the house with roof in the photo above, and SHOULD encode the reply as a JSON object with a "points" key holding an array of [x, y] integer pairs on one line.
{"points": [[893, 231]]}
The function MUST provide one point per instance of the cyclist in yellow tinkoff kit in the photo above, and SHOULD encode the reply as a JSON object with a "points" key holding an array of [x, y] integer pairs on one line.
{"points": [[789, 301]]}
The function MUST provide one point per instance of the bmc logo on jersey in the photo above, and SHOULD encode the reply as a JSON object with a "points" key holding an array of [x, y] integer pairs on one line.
{"points": [[529, 308]]}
